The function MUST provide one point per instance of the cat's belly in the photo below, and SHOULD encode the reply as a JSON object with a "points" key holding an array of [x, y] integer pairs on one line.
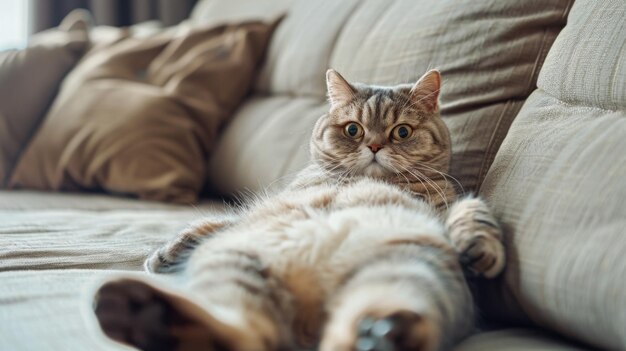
{"points": [[312, 240], [320, 224]]}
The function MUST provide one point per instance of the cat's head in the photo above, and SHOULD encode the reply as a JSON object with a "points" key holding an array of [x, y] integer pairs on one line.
{"points": [[382, 131]]}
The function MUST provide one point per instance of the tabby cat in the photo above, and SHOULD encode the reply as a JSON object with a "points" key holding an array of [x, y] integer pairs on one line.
{"points": [[362, 251]]}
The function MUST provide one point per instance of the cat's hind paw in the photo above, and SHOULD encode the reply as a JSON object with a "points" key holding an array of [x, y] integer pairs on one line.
{"points": [[400, 331], [134, 313]]}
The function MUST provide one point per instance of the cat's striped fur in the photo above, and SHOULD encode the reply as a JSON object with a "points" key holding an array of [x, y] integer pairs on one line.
{"points": [[361, 255]]}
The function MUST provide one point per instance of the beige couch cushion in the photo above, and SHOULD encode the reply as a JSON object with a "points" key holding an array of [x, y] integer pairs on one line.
{"points": [[52, 248], [266, 144], [140, 116], [28, 82], [489, 53], [23, 200], [91, 238], [558, 185]]}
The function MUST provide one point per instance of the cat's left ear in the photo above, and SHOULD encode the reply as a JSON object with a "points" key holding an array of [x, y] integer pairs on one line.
{"points": [[340, 92], [426, 91]]}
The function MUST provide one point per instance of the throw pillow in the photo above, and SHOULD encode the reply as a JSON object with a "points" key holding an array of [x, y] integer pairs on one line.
{"points": [[140, 116], [29, 79]]}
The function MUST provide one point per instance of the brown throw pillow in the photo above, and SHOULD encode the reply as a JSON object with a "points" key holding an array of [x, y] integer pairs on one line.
{"points": [[140, 116], [29, 79]]}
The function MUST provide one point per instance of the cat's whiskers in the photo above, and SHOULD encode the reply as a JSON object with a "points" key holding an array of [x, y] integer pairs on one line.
{"points": [[443, 174], [328, 168], [435, 186], [347, 174], [441, 192], [399, 172], [447, 183], [418, 179]]}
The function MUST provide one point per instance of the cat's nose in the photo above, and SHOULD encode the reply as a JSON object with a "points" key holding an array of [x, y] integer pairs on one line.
{"points": [[375, 147]]}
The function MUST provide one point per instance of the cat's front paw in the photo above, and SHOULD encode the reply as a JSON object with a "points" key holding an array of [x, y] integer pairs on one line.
{"points": [[477, 237], [159, 263], [482, 255]]}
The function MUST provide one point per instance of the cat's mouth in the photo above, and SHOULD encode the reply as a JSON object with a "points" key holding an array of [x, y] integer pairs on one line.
{"points": [[373, 165], [374, 169]]}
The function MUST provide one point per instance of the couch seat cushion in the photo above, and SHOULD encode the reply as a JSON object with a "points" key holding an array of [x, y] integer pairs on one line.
{"points": [[53, 231]]}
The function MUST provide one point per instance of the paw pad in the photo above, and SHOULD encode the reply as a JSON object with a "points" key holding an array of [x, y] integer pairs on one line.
{"points": [[401, 331]]}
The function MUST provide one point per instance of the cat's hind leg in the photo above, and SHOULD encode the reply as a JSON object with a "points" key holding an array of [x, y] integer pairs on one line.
{"points": [[409, 296], [171, 257], [477, 236], [136, 313], [231, 303]]}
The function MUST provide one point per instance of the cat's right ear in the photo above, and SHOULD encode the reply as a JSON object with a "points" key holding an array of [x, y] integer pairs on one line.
{"points": [[340, 92]]}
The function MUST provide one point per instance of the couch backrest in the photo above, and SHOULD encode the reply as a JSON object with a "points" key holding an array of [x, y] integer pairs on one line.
{"points": [[489, 53], [558, 186]]}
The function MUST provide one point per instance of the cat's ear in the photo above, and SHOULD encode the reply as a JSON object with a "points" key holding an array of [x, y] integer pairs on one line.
{"points": [[426, 91], [340, 91]]}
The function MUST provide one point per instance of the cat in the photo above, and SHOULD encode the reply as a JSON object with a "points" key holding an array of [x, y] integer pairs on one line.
{"points": [[364, 250]]}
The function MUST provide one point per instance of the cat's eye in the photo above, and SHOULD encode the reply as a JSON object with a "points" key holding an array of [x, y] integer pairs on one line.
{"points": [[353, 130], [402, 132]]}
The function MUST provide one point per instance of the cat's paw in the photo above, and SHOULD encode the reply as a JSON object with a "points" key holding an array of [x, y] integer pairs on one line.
{"points": [[131, 314], [402, 330], [159, 263], [477, 237], [134, 313], [172, 257], [482, 255]]}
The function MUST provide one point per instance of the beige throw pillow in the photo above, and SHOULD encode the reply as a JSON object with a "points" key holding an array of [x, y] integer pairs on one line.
{"points": [[29, 79], [140, 116]]}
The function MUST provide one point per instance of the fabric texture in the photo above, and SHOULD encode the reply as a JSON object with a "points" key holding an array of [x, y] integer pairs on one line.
{"points": [[29, 79], [557, 185], [23, 200], [114, 238], [489, 54], [139, 117]]}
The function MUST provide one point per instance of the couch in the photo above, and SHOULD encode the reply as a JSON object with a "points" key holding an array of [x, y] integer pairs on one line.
{"points": [[534, 94]]}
